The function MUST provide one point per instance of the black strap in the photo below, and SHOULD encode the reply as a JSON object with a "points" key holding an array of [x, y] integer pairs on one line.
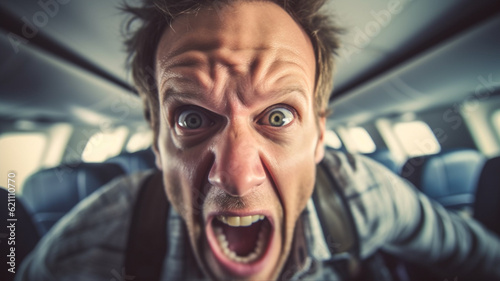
{"points": [[147, 245], [332, 204], [336, 220], [334, 212]]}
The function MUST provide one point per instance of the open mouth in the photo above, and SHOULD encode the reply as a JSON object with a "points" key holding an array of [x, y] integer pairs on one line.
{"points": [[240, 243]]}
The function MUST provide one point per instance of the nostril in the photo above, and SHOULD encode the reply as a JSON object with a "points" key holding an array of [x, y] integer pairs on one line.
{"points": [[218, 178], [236, 182]]}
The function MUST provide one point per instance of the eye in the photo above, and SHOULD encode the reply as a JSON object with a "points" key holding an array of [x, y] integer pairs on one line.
{"points": [[278, 117], [193, 119]]}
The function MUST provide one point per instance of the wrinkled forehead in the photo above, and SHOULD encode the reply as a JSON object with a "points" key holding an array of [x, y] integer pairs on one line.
{"points": [[255, 25]]}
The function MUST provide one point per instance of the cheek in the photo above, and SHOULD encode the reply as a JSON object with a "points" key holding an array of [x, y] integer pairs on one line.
{"points": [[295, 175], [182, 180], [297, 185]]}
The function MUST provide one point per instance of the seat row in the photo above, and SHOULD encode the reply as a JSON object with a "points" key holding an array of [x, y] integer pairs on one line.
{"points": [[459, 179], [51, 193]]}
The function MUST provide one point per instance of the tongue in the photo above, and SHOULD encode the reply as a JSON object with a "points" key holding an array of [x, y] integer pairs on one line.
{"points": [[242, 240]]}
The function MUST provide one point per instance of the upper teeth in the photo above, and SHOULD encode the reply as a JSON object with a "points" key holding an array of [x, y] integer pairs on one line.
{"points": [[240, 221]]}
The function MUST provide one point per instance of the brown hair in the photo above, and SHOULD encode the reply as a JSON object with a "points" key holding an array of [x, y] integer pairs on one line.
{"points": [[154, 15]]}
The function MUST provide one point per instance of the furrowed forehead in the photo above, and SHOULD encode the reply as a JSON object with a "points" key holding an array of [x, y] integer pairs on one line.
{"points": [[247, 28]]}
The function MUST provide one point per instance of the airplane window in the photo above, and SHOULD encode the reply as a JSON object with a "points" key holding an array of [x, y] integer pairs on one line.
{"points": [[496, 121], [104, 145], [58, 137], [22, 154], [332, 139], [139, 141], [416, 138], [362, 141]]}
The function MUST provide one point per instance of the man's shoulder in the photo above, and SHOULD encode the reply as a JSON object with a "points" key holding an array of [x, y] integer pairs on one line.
{"points": [[374, 194], [92, 237], [114, 200], [363, 179], [354, 173], [345, 160]]}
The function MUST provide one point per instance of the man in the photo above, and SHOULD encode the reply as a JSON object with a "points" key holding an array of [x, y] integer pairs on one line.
{"points": [[238, 110]]}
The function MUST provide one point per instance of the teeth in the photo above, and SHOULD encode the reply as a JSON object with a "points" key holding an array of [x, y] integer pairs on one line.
{"points": [[236, 221], [233, 221], [246, 221], [259, 248], [222, 219]]}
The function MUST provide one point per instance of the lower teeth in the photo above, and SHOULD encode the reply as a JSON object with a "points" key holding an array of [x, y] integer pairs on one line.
{"points": [[257, 252]]}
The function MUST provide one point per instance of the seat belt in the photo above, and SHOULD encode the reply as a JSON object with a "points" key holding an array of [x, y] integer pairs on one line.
{"points": [[147, 245]]}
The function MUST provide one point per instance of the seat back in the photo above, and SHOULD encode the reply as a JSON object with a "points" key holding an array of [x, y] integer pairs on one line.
{"points": [[449, 177], [51, 193], [24, 231], [136, 161], [487, 205], [385, 157]]}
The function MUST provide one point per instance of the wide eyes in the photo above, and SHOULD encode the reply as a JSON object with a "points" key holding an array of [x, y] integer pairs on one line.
{"points": [[277, 117], [193, 119]]}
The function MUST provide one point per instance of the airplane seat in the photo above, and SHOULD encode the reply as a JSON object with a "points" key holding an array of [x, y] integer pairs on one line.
{"points": [[385, 157], [136, 161], [26, 233], [51, 193], [487, 204], [449, 177]]}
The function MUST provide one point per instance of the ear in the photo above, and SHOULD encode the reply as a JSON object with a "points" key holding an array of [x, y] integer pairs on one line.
{"points": [[320, 145], [157, 157]]}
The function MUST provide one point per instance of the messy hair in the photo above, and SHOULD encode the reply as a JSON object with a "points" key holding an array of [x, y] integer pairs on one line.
{"points": [[148, 21]]}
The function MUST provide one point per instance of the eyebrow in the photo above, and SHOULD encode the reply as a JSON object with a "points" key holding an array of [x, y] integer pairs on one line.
{"points": [[293, 89], [172, 94], [176, 95]]}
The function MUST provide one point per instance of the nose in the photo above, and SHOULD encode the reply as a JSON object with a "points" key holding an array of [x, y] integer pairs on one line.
{"points": [[237, 166]]}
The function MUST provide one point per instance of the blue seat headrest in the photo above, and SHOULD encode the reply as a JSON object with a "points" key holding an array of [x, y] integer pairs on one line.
{"points": [[449, 177], [51, 193], [385, 157], [136, 161]]}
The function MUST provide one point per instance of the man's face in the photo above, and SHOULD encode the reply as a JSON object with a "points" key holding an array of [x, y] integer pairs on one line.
{"points": [[238, 139]]}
